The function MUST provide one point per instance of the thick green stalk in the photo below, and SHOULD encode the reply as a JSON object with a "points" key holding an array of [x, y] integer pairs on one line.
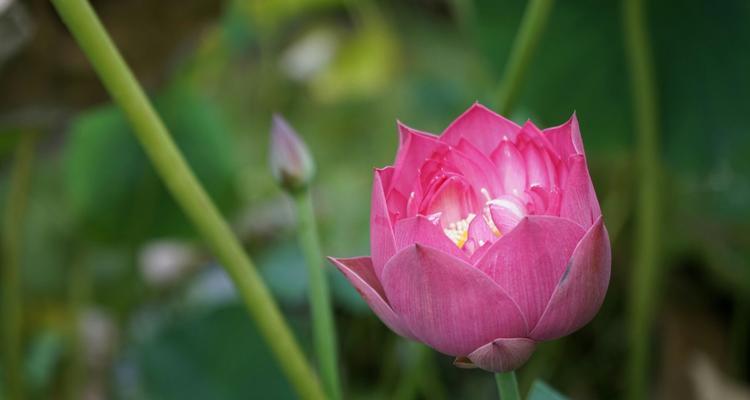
{"points": [[324, 330], [182, 183], [11, 269], [646, 267], [532, 25], [507, 386]]}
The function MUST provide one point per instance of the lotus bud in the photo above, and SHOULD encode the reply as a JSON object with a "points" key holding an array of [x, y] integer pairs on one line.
{"points": [[291, 163]]}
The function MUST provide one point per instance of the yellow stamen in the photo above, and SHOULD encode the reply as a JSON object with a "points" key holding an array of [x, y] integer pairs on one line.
{"points": [[458, 232]]}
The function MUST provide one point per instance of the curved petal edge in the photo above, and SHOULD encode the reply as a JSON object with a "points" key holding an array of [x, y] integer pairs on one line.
{"points": [[482, 127], [579, 202], [566, 138], [360, 273], [580, 292], [421, 230], [529, 261], [382, 243]]}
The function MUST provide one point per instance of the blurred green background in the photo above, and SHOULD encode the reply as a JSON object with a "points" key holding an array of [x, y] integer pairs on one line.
{"points": [[122, 300]]}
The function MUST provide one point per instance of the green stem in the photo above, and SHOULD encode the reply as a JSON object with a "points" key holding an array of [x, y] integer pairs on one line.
{"points": [[645, 268], [532, 25], [12, 311], [182, 183], [324, 331], [507, 385]]}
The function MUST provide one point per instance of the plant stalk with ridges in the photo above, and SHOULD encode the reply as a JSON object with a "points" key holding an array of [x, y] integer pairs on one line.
{"points": [[324, 331], [507, 386]]}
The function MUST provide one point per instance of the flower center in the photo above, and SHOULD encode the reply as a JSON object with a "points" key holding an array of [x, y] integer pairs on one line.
{"points": [[497, 217], [458, 232]]}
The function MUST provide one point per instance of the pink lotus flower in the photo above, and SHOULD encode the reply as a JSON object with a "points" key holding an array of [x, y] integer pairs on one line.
{"points": [[485, 240]]}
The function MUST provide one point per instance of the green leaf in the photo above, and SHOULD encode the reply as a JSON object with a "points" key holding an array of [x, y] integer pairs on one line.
{"points": [[219, 355], [542, 391], [112, 189]]}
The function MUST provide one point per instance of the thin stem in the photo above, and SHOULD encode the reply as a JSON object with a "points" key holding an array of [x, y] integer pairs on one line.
{"points": [[15, 209], [324, 330], [532, 25], [182, 183], [645, 268], [507, 386]]}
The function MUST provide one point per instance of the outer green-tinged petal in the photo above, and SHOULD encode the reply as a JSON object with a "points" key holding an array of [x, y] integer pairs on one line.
{"points": [[503, 355]]}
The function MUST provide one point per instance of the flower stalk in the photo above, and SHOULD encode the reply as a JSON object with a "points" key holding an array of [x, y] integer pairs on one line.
{"points": [[85, 26], [645, 268], [532, 26], [293, 168], [10, 279], [324, 331], [507, 385]]}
